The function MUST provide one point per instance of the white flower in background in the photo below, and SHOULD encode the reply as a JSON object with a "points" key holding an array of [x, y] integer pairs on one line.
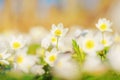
{"points": [[53, 39], [3, 57], [90, 44], [45, 43], [79, 33], [37, 33], [106, 39], [59, 30], [37, 69], [117, 37], [17, 42], [104, 25], [51, 57], [23, 61], [114, 56], [93, 64], [66, 68]]}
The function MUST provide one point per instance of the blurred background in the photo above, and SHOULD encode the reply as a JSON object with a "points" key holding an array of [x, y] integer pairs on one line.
{"points": [[24, 14]]}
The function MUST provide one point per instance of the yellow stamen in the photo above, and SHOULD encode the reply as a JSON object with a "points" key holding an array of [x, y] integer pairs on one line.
{"points": [[16, 45], [103, 27], [20, 59], [58, 32], [104, 42], [52, 58], [54, 39], [90, 44]]}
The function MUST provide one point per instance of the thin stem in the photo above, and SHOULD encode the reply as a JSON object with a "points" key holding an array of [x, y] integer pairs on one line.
{"points": [[103, 36], [57, 43]]}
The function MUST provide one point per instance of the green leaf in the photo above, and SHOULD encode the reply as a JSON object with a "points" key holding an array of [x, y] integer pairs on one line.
{"points": [[79, 54]]}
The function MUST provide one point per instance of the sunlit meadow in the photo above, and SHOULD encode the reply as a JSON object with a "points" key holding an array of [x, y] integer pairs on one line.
{"points": [[51, 40]]}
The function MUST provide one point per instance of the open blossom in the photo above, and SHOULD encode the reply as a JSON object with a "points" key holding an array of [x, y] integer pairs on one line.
{"points": [[107, 40], [59, 30], [17, 42], [23, 61], [65, 67], [104, 25], [93, 64], [51, 57], [3, 57], [37, 69], [90, 43], [114, 56]]}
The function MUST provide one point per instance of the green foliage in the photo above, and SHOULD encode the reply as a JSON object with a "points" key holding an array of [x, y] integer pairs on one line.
{"points": [[110, 75], [32, 48], [78, 52], [102, 54]]}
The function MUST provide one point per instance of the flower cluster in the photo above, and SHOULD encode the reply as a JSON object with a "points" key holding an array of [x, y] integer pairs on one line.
{"points": [[61, 53]]}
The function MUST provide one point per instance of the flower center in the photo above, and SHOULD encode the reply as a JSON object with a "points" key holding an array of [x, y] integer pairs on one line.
{"points": [[20, 59], [16, 45], [104, 42], [52, 58], [58, 32], [90, 44], [53, 39], [103, 27]]}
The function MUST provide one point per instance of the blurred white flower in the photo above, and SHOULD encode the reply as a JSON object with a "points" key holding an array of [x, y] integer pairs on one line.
{"points": [[114, 56], [45, 43], [90, 43], [59, 30], [79, 33], [66, 68], [37, 69], [17, 42], [38, 32], [3, 57], [23, 61], [50, 57], [104, 25], [117, 37], [106, 39], [93, 64]]}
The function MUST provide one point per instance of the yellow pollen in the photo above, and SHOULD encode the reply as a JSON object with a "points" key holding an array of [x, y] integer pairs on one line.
{"points": [[52, 58], [16, 45], [103, 27], [19, 59], [53, 39], [104, 42], [90, 44], [58, 32]]}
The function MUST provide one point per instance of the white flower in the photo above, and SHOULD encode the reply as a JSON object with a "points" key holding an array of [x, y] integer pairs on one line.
{"points": [[114, 56], [79, 33], [107, 40], [50, 57], [38, 32], [45, 43], [66, 68], [3, 57], [104, 25], [117, 37], [37, 69], [23, 61], [17, 42], [90, 43], [59, 30], [93, 64]]}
